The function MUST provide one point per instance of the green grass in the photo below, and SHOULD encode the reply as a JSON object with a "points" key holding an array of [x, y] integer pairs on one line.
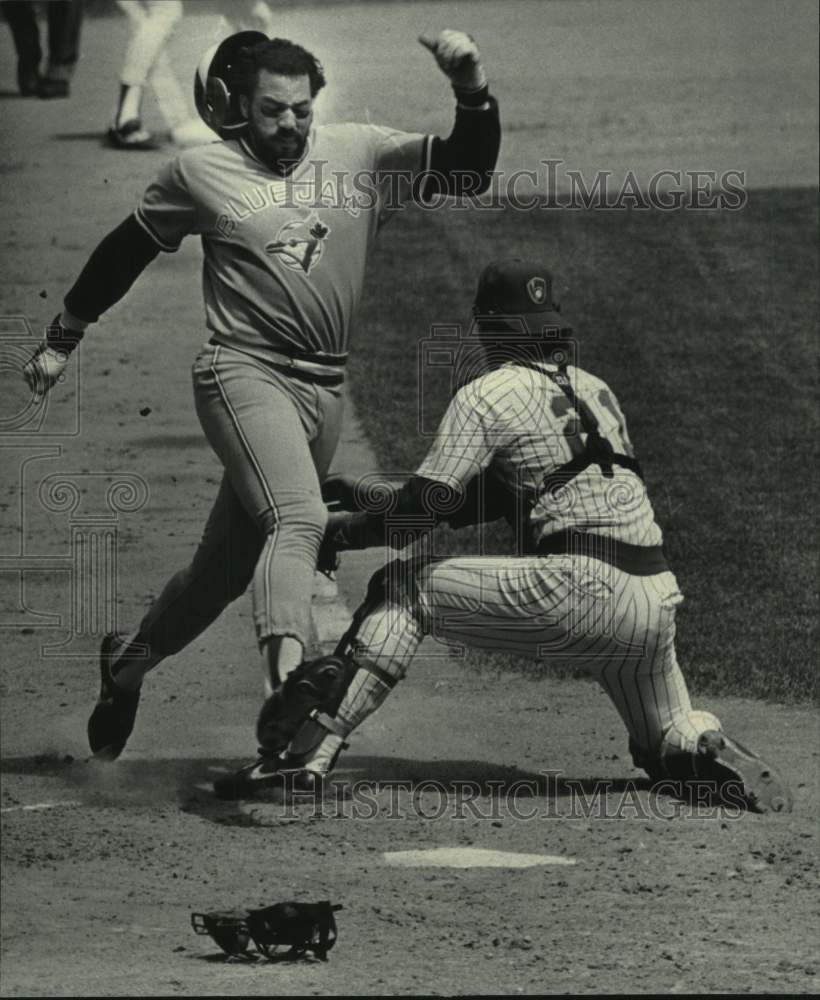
{"points": [[705, 325]]}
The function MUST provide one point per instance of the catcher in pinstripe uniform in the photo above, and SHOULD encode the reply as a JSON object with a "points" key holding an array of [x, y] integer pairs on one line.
{"points": [[544, 443]]}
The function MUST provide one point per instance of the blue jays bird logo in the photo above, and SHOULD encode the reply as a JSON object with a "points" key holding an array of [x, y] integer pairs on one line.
{"points": [[299, 244]]}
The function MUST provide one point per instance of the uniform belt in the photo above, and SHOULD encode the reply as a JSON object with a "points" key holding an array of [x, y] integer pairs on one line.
{"points": [[306, 375], [299, 364], [639, 560]]}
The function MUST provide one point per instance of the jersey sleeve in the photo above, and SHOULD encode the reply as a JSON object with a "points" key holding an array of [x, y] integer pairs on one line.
{"points": [[167, 211], [398, 160], [465, 442]]}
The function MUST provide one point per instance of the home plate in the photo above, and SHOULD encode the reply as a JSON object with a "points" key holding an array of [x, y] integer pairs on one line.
{"points": [[471, 857]]}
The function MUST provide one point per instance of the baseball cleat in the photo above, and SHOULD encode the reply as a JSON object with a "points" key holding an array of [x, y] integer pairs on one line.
{"points": [[264, 778], [738, 775], [723, 760], [645, 761], [113, 717], [312, 685], [130, 135]]}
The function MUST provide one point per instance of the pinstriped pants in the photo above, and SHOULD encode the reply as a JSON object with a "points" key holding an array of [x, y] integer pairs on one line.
{"points": [[275, 437], [562, 609]]}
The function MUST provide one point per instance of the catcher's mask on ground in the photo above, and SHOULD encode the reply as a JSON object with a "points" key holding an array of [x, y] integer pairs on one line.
{"points": [[287, 930], [218, 80]]}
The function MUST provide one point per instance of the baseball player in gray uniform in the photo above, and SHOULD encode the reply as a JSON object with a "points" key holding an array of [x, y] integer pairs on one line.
{"points": [[545, 443], [287, 213]]}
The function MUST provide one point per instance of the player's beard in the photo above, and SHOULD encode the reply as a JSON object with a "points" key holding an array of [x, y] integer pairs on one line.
{"points": [[280, 152]]}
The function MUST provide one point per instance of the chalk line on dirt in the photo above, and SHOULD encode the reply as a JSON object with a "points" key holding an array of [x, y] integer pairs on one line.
{"points": [[39, 806]]}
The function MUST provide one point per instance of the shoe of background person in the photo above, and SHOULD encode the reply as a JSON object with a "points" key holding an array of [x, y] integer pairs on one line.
{"points": [[131, 135], [266, 777], [48, 88], [193, 132], [28, 80], [112, 720]]}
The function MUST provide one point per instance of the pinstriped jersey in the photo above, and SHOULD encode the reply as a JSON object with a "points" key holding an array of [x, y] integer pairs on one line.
{"points": [[284, 258], [518, 424]]}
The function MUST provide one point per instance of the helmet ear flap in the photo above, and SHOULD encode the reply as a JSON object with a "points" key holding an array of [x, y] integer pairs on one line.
{"points": [[218, 101], [217, 83]]}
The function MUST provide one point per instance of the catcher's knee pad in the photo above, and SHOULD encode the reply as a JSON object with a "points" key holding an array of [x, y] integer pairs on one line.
{"points": [[314, 684], [367, 684]]}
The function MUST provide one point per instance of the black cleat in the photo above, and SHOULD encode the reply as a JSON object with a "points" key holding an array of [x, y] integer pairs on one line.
{"points": [[721, 759], [645, 761], [314, 684], [738, 776], [112, 720], [267, 778]]}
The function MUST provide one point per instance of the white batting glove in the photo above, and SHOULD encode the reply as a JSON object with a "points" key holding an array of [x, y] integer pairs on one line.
{"points": [[458, 58], [46, 365], [44, 369]]}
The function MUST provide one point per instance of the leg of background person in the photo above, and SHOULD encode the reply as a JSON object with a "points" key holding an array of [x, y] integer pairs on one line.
{"points": [[247, 15], [22, 20], [221, 570], [65, 19], [171, 99], [152, 24]]}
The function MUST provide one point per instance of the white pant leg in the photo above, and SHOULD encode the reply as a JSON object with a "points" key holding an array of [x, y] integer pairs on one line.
{"points": [[152, 23], [171, 99], [571, 610]]}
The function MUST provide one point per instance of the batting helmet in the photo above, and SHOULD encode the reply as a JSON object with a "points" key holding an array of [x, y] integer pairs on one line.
{"points": [[216, 94]]}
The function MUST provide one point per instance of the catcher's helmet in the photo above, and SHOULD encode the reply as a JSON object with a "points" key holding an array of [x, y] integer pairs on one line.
{"points": [[513, 287], [215, 83]]}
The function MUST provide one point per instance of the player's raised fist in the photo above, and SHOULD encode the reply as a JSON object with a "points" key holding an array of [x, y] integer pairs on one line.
{"points": [[458, 58]]}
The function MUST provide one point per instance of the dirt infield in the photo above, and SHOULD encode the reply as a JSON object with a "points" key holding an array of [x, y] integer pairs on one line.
{"points": [[102, 866]]}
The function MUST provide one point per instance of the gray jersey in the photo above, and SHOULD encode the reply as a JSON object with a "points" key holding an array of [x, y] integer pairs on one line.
{"points": [[284, 258]]}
